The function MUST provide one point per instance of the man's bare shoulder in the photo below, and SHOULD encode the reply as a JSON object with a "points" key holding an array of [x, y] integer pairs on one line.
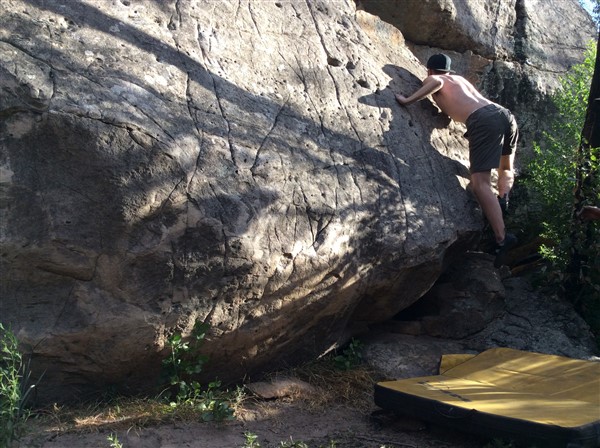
{"points": [[433, 79]]}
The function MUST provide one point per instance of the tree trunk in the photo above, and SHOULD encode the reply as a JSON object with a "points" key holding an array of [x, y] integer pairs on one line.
{"points": [[590, 135]]}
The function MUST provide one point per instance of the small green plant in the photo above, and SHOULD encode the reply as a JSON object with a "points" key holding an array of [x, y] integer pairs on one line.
{"points": [[351, 356], [212, 402], [114, 441], [184, 361], [182, 365], [292, 444], [251, 440], [14, 389]]}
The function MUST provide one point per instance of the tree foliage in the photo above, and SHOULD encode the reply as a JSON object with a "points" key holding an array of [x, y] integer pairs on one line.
{"points": [[552, 172], [563, 177]]}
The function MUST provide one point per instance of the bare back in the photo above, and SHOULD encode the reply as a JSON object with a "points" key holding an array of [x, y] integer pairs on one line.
{"points": [[457, 97]]}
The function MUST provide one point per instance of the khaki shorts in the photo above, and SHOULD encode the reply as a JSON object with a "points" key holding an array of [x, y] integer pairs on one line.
{"points": [[491, 131]]}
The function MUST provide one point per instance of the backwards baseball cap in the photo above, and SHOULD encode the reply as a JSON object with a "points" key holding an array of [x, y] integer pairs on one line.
{"points": [[440, 62]]}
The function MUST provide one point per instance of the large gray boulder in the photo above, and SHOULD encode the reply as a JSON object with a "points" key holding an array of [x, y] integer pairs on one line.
{"points": [[239, 164]]}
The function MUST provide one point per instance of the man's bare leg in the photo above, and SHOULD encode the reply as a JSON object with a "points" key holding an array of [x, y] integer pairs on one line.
{"points": [[481, 183], [506, 174]]}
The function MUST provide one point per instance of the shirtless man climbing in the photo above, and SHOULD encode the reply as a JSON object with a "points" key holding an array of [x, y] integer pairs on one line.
{"points": [[492, 134]]}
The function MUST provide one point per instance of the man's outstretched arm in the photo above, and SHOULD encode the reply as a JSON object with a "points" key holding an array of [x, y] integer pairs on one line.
{"points": [[431, 84]]}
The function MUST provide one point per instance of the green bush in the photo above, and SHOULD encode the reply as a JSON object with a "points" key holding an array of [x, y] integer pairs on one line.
{"points": [[182, 366], [351, 356], [14, 389], [562, 166], [551, 174]]}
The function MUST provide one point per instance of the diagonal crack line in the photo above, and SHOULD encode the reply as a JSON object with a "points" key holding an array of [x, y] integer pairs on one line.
{"points": [[153, 120], [321, 227], [199, 131], [254, 19], [138, 108], [307, 209], [357, 183], [178, 11], [190, 107], [63, 309], [302, 77], [435, 187], [229, 137], [314, 106], [312, 14], [224, 115], [198, 160], [163, 204], [218, 98], [127, 126], [28, 53], [264, 140], [237, 10], [52, 69], [398, 180], [298, 72]]}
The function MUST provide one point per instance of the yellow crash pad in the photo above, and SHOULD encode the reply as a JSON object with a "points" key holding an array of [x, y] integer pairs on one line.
{"points": [[545, 399]]}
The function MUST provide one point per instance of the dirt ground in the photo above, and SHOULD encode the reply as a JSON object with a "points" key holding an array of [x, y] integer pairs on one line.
{"points": [[275, 423]]}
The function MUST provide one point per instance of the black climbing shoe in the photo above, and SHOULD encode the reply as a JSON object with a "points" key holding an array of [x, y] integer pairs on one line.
{"points": [[502, 249]]}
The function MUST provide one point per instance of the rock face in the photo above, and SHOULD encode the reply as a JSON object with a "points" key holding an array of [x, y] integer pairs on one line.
{"points": [[514, 50], [239, 164], [466, 298], [469, 310], [528, 320]]}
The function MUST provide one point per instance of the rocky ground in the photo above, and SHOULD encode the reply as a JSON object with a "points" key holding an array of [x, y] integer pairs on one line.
{"points": [[337, 411]]}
